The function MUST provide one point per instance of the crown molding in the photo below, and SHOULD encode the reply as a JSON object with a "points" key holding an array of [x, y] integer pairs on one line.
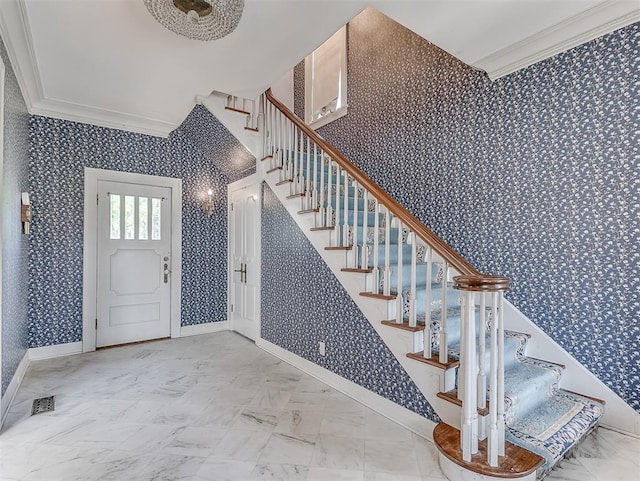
{"points": [[587, 25], [59, 109], [15, 31], [16, 34]]}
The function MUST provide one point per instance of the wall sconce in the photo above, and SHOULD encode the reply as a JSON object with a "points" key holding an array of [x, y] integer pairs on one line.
{"points": [[207, 205], [25, 213]]}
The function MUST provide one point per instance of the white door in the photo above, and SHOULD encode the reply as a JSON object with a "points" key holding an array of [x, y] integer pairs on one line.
{"points": [[134, 263], [244, 260]]}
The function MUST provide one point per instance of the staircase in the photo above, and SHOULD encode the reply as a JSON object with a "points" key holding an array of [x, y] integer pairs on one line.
{"points": [[503, 412]]}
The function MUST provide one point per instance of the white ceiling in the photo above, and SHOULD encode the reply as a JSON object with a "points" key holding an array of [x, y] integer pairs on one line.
{"points": [[109, 63]]}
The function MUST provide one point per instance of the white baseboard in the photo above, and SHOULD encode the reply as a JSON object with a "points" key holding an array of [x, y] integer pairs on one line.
{"points": [[410, 420], [57, 350], [12, 389], [206, 328]]}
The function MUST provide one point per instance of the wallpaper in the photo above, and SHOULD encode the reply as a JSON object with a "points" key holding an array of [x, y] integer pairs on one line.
{"points": [[14, 244], [59, 152], [534, 176], [303, 303], [218, 145]]}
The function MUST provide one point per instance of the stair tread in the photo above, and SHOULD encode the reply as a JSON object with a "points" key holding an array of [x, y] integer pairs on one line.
{"points": [[295, 196], [240, 111], [375, 295], [266, 157], [285, 181], [403, 325], [328, 227], [308, 211], [433, 360], [517, 461], [338, 248], [359, 271], [452, 397], [275, 169], [252, 129]]}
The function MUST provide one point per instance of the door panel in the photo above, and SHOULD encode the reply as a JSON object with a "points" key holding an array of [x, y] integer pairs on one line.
{"points": [[245, 256], [134, 263]]}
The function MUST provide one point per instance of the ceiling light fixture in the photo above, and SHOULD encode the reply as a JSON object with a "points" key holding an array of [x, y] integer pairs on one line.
{"points": [[197, 19]]}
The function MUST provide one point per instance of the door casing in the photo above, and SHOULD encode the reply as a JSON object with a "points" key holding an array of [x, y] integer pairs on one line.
{"points": [[90, 248], [235, 186]]}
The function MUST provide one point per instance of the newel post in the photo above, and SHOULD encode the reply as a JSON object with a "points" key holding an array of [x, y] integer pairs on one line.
{"points": [[479, 293]]}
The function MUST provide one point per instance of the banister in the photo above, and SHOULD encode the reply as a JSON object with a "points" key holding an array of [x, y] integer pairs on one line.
{"points": [[482, 283], [454, 259]]}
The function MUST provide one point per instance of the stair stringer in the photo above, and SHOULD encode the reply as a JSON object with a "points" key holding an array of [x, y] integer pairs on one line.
{"points": [[428, 379]]}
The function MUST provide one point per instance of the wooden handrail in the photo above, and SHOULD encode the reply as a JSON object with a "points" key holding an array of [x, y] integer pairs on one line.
{"points": [[482, 283], [454, 259]]}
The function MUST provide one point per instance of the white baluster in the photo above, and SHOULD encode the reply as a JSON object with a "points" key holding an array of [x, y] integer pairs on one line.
{"points": [[412, 289], [482, 377], [500, 384], [386, 279], [364, 260], [322, 196], [354, 233], [444, 348], [427, 307], [307, 185], [295, 159], [345, 211], [337, 207], [469, 424], [314, 185], [328, 220], [399, 298], [493, 449], [376, 246]]}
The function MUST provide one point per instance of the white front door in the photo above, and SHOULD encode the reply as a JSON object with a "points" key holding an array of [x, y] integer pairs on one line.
{"points": [[134, 263], [244, 260]]}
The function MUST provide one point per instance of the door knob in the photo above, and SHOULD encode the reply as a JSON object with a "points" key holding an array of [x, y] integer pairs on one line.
{"points": [[166, 273], [243, 272]]}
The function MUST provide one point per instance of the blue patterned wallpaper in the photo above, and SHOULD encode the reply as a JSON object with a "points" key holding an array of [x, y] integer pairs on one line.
{"points": [[303, 303], [14, 244], [59, 152], [219, 145], [534, 176]]}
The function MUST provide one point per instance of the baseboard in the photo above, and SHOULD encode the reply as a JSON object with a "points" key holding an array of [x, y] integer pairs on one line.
{"points": [[57, 350], [396, 413], [13, 387], [206, 328]]}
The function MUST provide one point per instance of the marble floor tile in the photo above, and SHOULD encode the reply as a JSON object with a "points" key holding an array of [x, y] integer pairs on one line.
{"points": [[279, 472], [300, 424], [325, 474], [336, 452], [286, 449], [217, 408], [194, 441], [389, 457], [242, 445]]}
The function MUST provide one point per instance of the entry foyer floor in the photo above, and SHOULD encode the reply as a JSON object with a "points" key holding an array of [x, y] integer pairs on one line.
{"points": [[215, 407]]}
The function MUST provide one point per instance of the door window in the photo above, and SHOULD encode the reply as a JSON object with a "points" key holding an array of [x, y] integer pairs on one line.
{"points": [[130, 217]]}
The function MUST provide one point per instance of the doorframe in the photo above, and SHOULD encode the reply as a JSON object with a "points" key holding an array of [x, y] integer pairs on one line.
{"points": [[90, 248], [251, 180], [2, 215]]}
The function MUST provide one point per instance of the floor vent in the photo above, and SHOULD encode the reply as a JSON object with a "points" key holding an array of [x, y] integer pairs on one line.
{"points": [[43, 405]]}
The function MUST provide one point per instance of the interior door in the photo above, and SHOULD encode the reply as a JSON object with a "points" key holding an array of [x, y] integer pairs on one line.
{"points": [[244, 250], [134, 263]]}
